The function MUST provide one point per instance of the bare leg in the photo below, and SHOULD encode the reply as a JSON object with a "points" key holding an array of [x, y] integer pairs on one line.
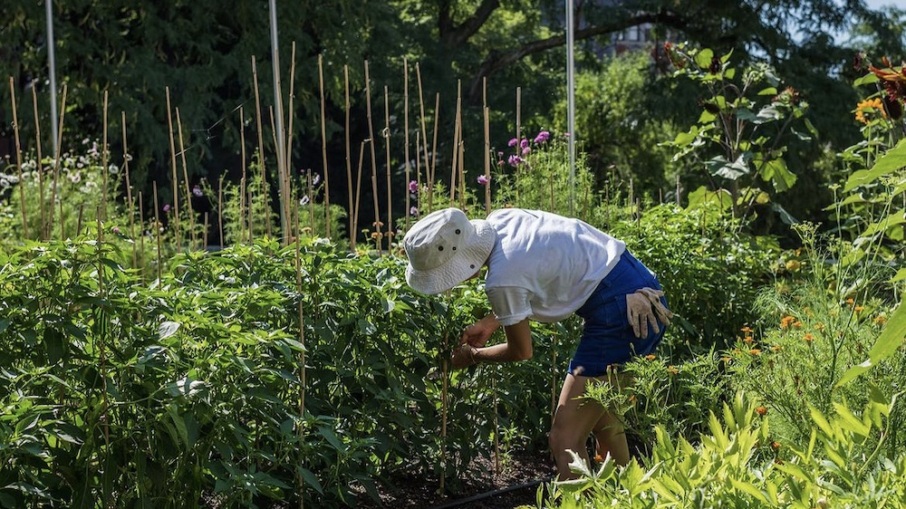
{"points": [[610, 438], [574, 419]]}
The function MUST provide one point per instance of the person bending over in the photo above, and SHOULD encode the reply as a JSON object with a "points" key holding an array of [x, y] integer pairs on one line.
{"points": [[545, 267]]}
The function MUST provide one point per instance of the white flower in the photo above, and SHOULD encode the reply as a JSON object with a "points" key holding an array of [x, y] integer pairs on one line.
{"points": [[304, 201], [114, 169], [75, 177]]}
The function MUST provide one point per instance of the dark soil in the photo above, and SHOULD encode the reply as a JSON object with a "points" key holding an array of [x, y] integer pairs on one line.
{"points": [[515, 485]]}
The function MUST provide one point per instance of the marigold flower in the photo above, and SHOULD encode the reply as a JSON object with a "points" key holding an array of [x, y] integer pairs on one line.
{"points": [[776, 348], [850, 302], [859, 309], [761, 410], [672, 370], [746, 330], [775, 445], [755, 351], [793, 265], [880, 320], [726, 359], [797, 324], [748, 340], [650, 357], [786, 321], [808, 338]]}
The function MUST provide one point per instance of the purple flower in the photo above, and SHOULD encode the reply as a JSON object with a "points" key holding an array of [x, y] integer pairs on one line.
{"points": [[542, 137], [167, 208], [524, 143], [514, 160], [484, 179], [413, 186], [116, 230], [413, 211], [513, 142], [526, 151], [197, 191]]}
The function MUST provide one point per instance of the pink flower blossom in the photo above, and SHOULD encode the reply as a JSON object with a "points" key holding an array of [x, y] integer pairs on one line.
{"points": [[484, 179], [413, 211], [514, 160], [542, 137], [526, 151], [524, 143], [166, 207], [197, 191], [413, 186], [513, 142]]}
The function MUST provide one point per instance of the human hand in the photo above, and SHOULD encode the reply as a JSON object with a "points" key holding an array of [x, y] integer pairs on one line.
{"points": [[463, 357], [644, 308], [480, 332]]}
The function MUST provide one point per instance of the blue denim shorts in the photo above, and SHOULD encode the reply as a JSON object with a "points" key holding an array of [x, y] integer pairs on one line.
{"points": [[607, 337]]}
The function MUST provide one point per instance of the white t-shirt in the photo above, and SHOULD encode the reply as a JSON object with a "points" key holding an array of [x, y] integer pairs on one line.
{"points": [[545, 266]]}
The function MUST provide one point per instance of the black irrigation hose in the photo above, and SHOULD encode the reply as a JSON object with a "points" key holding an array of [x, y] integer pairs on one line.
{"points": [[489, 494]]}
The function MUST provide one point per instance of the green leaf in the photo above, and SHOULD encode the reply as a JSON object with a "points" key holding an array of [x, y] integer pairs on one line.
{"points": [[683, 139], [886, 346], [775, 171], [751, 490], [851, 421], [868, 79], [768, 91], [899, 276], [309, 477], [890, 162], [56, 345], [704, 57], [167, 329]]}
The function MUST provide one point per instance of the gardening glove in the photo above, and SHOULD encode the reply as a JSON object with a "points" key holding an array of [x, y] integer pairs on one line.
{"points": [[644, 308]]}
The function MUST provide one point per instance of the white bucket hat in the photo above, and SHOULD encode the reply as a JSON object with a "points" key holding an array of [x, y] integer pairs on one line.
{"points": [[445, 248]]}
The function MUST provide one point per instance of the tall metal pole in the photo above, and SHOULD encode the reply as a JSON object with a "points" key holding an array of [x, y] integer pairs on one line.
{"points": [[282, 172], [571, 103], [52, 65]]}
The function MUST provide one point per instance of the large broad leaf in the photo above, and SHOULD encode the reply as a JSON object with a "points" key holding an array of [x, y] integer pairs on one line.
{"points": [[702, 197], [704, 57], [890, 162], [890, 340], [776, 172], [720, 167]]}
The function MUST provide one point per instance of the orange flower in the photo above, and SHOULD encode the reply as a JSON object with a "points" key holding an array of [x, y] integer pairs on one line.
{"points": [[776, 348], [859, 309], [775, 445], [755, 351], [650, 357], [747, 330], [786, 321], [762, 410], [726, 359], [748, 340], [850, 302], [880, 320], [599, 458], [808, 337], [672, 370], [797, 324]]}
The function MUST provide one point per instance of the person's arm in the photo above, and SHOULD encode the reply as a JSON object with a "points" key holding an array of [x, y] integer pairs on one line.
{"points": [[518, 347], [477, 334]]}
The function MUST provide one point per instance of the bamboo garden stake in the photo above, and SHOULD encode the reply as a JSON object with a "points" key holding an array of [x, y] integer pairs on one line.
{"points": [[352, 232], [377, 212], [406, 135], [129, 201], [386, 136], [185, 177], [157, 229], [104, 168], [261, 159], [12, 93], [42, 228], [421, 104], [324, 150], [174, 180], [56, 160]]}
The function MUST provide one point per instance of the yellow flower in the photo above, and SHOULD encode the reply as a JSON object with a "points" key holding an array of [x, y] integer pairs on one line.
{"points": [[859, 309], [650, 357], [755, 351], [672, 370], [870, 107], [880, 320], [776, 348], [793, 265]]}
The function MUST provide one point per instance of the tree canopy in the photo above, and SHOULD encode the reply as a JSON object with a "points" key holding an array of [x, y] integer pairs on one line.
{"points": [[201, 51]]}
